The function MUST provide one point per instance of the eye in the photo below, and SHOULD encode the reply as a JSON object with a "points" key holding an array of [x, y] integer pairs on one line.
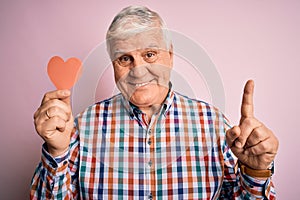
{"points": [[124, 60], [150, 56]]}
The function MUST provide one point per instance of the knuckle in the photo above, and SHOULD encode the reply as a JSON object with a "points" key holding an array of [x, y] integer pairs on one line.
{"points": [[55, 101], [35, 115], [39, 129], [256, 134], [252, 139], [54, 109], [56, 119], [47, 96], [68, 113], [264, 146], [252, 151], [46, 137], [234, 132]]}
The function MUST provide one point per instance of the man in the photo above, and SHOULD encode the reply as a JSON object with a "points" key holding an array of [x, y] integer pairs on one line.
{"points": [[149, 142]]}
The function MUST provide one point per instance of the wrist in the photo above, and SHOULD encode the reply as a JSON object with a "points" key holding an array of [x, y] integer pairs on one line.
{"points": [[261, 174], [56, 152]]}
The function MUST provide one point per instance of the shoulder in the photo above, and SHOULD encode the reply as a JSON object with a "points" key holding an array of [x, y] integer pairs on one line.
{"points": [[194, 103], [198, 107]]}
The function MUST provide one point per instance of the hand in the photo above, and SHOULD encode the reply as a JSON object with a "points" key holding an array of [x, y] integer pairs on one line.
{"points": [[54, 121], [251, 141]]}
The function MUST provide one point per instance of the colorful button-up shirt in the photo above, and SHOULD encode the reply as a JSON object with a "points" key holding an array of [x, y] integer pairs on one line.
{"points": [[116, 154]]}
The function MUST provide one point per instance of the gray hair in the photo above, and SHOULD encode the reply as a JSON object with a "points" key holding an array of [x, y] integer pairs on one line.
{"points": [[133, 20]]}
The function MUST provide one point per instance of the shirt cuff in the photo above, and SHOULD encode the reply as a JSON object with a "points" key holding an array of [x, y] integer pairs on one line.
{"points": [[256, 187], [54, 165]]}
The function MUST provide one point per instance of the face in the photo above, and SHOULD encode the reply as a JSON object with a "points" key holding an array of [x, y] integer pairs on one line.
{"points": [[142, 66]]}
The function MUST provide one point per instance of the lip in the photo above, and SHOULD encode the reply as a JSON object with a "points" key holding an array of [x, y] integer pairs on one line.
{"points": [[140, 84]]}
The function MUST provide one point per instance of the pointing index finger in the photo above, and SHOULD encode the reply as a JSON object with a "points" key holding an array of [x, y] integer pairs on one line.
{"points": [[247, 108]]}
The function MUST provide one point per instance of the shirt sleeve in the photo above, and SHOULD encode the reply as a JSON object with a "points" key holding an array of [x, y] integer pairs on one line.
{"points": [[240, 186], [57, 177]]}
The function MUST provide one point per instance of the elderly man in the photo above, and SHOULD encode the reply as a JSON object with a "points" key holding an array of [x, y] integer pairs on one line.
{"points": [[149, 142]]}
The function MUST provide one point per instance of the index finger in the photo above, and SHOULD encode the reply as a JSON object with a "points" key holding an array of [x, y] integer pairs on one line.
{"points": [[63, 95], [247, 108]]}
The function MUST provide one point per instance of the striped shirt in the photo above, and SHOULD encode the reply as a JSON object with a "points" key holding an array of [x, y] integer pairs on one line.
{"points": [[116, 154]]}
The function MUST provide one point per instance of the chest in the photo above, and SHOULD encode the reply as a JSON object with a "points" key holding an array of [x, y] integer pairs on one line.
{"points": [[170, 159]]}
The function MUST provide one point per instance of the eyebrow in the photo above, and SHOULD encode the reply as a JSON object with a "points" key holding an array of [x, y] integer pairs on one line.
{"points": [[120, 51], [117, 51]]}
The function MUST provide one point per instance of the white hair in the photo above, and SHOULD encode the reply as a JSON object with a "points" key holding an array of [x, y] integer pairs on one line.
{"points": [[133, 20]]}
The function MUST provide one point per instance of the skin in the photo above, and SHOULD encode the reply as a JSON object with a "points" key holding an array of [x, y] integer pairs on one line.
{"points": [[144, 84], [54, 121], [142, 67], [251, 141]]}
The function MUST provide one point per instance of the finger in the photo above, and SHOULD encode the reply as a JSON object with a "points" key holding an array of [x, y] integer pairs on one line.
{"points": [[232, 134], [247, 126], [53, 125], [258, 135], [261, 148], [47, 127], [247, 102], [57, 112], [40, 119], [55, 104], [36, 114], [63, 95]]}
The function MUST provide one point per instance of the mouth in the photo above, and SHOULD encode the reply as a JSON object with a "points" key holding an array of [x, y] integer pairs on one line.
{"points": [[140, 84]]}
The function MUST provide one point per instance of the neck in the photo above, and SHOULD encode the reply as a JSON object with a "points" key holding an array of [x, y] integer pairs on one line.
{"points": [[150, 111]]}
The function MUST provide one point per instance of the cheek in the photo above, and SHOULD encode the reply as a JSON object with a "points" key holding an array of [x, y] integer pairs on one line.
{"points": [[161, 71], [166, 59], [119, 72]]}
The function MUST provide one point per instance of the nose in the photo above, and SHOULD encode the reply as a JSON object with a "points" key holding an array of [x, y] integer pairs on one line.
{"points": [[138, 60], [139, 67]]}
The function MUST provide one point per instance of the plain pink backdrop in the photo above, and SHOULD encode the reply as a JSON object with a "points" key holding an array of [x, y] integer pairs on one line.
{"points": [[257, 39]]}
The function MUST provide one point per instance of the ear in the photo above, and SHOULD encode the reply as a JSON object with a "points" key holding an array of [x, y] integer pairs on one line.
{"points": [[171, 54]]}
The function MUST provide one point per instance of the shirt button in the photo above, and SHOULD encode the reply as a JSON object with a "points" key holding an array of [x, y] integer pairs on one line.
{"points": [[150, 196], [150, 163], [131, 115]]}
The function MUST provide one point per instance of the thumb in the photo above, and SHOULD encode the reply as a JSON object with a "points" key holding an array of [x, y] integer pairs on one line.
{"points": [[63, 95], [232, 134], [66, 96]]}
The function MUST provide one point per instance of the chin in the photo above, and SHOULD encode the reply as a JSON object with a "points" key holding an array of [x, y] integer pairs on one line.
{"points": [[142, 101], [147, 96]]}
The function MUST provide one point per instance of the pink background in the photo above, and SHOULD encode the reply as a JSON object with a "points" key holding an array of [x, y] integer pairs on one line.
{"points": [[256, 39]]}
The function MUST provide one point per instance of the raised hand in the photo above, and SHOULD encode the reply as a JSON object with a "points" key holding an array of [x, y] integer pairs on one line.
{"points": [[54, 121], [251, 141]]}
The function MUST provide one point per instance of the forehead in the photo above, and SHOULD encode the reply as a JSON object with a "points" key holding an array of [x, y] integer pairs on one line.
{"points": [[130, 42]]}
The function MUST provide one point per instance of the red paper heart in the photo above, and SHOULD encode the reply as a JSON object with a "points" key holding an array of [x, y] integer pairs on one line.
{"points": [[64, 74]]}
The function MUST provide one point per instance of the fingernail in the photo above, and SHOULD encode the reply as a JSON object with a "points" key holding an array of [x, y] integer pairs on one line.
{"points": [[238, 144]]}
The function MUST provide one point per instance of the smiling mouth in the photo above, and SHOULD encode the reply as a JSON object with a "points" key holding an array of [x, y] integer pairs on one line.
{"points": [[140, 84]]}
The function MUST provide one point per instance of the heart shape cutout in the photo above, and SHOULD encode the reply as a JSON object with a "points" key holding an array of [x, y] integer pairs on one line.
{"points": [[64, 74]]}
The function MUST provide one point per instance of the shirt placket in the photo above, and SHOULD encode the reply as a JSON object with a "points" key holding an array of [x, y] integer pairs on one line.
{"points": [[149, 156]]}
